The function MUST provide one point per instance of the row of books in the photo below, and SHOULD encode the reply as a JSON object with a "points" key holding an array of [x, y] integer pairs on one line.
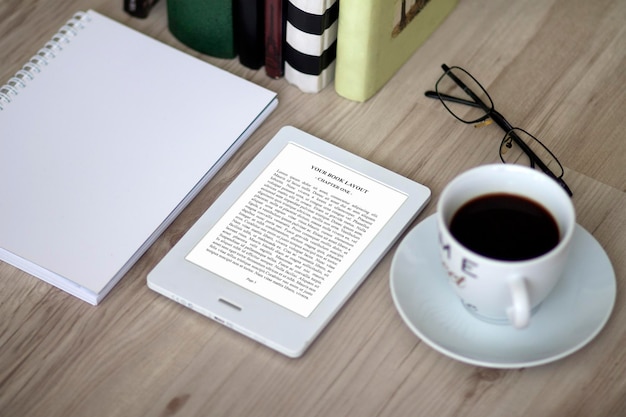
{"points": [[309, 42]]}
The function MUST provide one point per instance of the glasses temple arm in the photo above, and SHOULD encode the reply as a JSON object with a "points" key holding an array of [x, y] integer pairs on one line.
{"points": [[465, 88], [435, 95]]}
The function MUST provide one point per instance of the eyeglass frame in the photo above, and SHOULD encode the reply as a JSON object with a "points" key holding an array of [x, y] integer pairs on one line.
{"points": [[497, 117]]}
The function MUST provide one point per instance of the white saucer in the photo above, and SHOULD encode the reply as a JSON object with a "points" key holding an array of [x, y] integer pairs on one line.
{"points": [[573, 314]]}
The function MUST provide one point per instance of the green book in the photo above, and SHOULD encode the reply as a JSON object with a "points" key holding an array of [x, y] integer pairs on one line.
{"points": [[204, 25], [375, 37]]}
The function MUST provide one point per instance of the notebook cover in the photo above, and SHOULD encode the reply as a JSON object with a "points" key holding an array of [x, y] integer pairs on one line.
{"points": [[375, 37], [102, 146]]}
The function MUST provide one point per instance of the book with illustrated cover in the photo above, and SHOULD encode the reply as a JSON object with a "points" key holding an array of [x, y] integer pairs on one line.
{"points": [[106, 135], [375, 37], [311, 43]]}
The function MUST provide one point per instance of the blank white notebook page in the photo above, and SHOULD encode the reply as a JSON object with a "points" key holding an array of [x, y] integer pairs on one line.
{"points": [[102, 145]]}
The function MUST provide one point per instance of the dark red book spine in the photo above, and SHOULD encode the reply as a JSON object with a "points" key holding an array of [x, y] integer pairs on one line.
{"points": [[275, 23]]}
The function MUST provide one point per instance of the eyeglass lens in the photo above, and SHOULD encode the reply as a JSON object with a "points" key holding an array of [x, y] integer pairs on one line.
{"points": [[463, 96], [511, 153]]}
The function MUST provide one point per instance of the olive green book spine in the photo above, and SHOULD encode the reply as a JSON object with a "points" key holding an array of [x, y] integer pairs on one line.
{"points": [[376, 37]]}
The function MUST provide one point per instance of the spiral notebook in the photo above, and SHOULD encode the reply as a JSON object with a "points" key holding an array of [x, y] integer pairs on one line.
{"points": [[105, 136]]}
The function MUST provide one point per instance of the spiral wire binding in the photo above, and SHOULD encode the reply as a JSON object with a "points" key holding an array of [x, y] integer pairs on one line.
{"points": [[42, 58]]}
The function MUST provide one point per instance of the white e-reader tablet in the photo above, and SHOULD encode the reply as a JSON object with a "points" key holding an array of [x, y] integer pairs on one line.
{"points": [[289, 241]]}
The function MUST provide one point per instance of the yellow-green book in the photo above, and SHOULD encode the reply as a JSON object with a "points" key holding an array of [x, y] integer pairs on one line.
{"points": [[375, 37]]}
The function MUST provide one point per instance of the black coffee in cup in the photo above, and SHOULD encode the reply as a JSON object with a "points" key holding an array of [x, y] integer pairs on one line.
{"points": [[506, 227]]}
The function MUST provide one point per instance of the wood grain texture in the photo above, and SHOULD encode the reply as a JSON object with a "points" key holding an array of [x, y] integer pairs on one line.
{"points": [[553, 67]]}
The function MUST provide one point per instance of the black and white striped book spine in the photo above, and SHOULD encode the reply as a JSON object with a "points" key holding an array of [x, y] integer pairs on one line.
{"points": [[311, 43]]}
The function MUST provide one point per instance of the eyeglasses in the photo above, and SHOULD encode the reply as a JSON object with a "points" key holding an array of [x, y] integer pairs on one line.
{"points": [[463, 96]]}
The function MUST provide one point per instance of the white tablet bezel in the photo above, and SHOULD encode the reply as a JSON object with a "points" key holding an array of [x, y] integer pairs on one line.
{"points": [[250, 314]]}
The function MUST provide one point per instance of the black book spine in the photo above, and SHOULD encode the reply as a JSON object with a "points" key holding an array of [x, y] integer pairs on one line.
{"points": [[139, 8], [250, 32]]}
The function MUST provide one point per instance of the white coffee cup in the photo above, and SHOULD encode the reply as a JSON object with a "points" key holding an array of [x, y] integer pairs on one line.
{"points": [[497, 290]]}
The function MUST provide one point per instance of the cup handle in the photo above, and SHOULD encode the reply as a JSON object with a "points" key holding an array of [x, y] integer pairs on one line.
{"points": [[519, 312]]}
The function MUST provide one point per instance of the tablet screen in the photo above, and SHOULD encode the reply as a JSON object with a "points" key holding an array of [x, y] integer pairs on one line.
{"points": [[297, 229]]}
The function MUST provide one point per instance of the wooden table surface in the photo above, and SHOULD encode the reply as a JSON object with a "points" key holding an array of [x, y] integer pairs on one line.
{"points": [[554, 67]]}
